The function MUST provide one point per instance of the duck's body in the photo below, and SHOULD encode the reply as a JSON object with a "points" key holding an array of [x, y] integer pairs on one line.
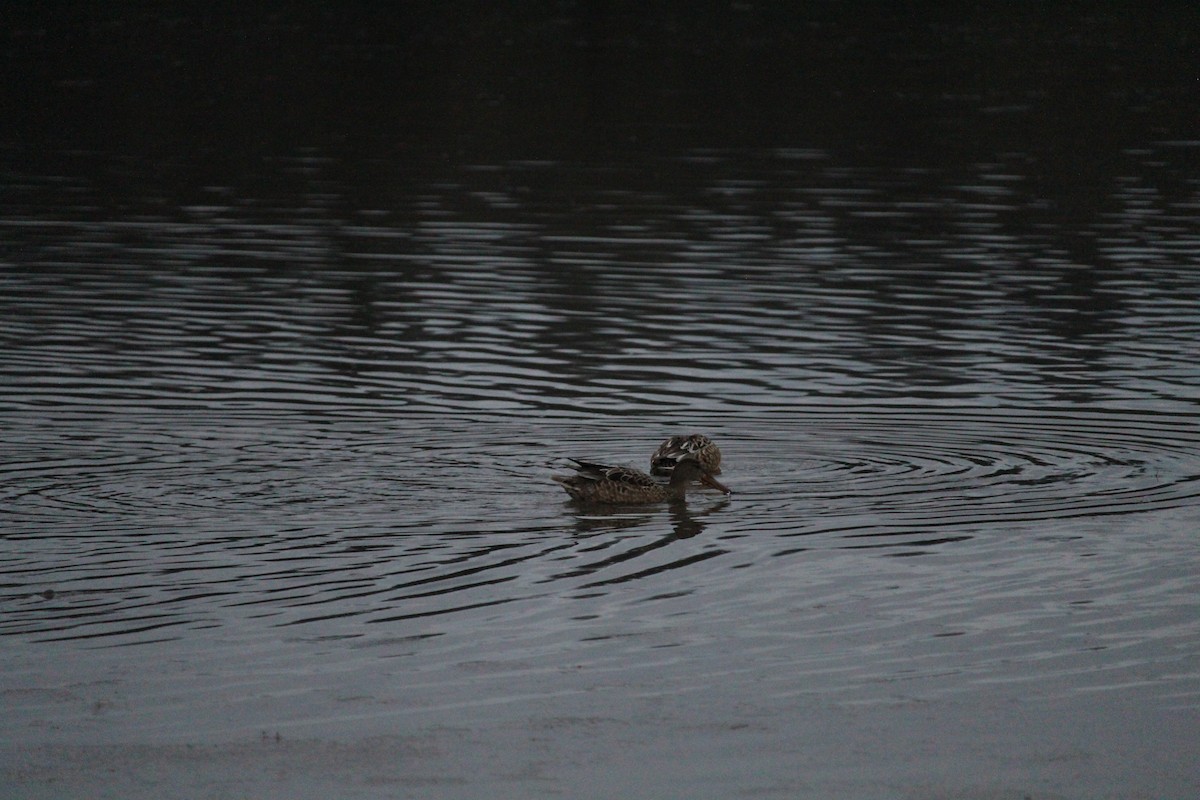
{"points": [[670, 452], [602, 483]]}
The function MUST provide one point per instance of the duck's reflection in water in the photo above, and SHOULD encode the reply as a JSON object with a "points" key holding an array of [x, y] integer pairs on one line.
{"points": [[593, 521]]}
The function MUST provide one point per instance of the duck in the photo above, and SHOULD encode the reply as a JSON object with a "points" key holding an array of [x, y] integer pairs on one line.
{"points": [[604, 483], [672, 450]]}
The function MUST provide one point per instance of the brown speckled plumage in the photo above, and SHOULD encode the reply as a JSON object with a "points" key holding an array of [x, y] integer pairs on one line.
{"points": [[672, 450], [602, 483]]}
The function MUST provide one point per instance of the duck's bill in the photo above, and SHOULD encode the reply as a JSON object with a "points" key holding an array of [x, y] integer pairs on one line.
{"points": [[713, 483]]}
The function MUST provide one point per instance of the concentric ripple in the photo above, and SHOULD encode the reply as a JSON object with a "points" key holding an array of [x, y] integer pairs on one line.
{"points": [[302, 524], [960, 469]]}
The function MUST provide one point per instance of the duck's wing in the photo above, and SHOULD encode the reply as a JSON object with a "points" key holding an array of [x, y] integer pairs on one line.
{"points": [[627, 476]]}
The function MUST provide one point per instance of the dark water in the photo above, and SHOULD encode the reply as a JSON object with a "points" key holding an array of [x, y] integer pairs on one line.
{"points": [[293, 338]]}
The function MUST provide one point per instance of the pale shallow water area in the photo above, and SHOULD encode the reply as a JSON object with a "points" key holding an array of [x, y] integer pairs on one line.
{"points": [[282, 388]]}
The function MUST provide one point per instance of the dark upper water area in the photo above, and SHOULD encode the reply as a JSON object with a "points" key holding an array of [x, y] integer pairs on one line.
{"points": [[206, 93], [1024, 169], [303, 304]]}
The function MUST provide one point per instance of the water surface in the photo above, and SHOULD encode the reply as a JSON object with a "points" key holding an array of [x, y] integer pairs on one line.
{"points": [[279, 416]]}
